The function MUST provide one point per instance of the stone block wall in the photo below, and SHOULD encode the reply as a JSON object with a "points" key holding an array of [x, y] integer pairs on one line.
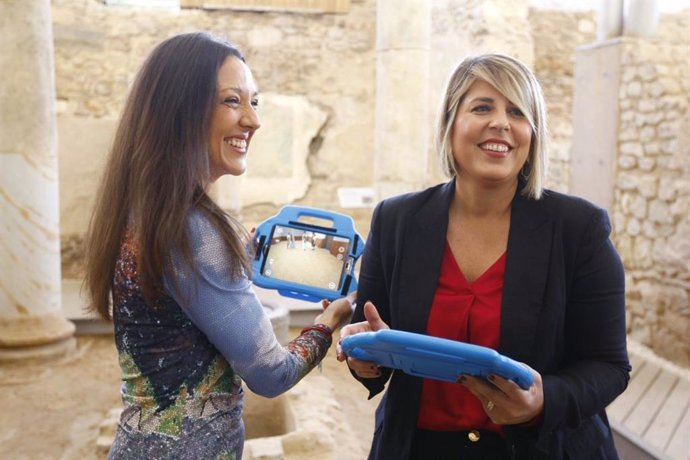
{"points": [[652, 195], [556, 35], [462, 28], [329, 60], [326, 59], [652, 185]]}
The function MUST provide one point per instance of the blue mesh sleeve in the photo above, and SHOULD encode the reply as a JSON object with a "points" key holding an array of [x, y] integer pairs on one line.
{"points": [[227, 310]]}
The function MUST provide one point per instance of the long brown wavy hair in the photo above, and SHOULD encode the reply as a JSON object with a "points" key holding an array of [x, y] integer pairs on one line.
{"points": [[158, 170]]}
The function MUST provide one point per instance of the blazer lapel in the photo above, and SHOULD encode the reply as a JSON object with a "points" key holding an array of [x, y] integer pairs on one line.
{"points": [[527, 267], [424, 242]]}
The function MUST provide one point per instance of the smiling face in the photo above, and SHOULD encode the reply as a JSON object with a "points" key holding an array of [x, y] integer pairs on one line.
{"points": [[234, 119], [491, 137]]}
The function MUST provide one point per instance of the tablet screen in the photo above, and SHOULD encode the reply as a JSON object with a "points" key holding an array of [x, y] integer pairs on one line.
{"points": [[306, 257]]}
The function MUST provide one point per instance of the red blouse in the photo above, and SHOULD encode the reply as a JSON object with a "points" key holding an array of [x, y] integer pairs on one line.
{"points": [[467, 312]]}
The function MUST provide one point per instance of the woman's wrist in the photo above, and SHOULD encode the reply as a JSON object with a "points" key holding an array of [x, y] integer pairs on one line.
{"points": [[328, 320], [324, 328], [336, 313]]}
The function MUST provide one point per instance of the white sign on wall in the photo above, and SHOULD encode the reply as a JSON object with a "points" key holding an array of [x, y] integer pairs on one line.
{"points": [[356, 197]]}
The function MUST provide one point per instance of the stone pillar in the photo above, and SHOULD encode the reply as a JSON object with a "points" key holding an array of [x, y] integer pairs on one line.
{"points": [[641, 19], [595, 122], [401, 131], [31, 319], [609, 19]]}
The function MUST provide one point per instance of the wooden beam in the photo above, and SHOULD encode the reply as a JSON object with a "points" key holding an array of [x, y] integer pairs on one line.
{"points": [[312, 6]]}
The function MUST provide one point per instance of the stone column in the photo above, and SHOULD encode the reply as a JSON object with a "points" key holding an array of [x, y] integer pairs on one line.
{"points": [[401, 131], [609, 19], [31, 318], [641, 19]]}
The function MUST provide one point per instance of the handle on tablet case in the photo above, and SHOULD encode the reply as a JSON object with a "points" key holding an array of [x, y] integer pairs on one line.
{"points": [[289, 218], [298, 295]]}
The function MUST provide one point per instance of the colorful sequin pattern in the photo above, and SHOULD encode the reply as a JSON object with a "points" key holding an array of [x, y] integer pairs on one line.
{"points": [[182, 399], [178, 391]]}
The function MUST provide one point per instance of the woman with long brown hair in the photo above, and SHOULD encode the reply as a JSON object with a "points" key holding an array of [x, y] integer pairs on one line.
{"points": [[173, 267]]}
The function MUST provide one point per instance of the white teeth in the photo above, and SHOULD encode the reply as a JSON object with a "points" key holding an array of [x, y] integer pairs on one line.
{"points": [[495, 147], [239, 143]]}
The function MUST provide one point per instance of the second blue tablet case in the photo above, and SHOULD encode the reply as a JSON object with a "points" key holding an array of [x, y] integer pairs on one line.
{"points": [[306, 260], [433, 357]]}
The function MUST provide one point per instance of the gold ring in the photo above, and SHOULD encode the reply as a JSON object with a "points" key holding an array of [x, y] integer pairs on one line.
{"points": [[490, 406]]}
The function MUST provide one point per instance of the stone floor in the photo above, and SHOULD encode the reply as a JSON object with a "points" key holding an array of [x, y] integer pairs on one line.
{"points": [[64, 409], [55, 410]]}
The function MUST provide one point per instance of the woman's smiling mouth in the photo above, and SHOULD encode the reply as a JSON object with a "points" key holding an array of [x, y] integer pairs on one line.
{"points": [[495, 149], [237, 143]]}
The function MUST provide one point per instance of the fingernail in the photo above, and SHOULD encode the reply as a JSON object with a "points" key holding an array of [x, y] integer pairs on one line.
{"points": [[462, 379]]}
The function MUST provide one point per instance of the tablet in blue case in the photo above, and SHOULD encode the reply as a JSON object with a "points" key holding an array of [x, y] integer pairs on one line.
{"points": [[307, 253], [433, 357]]}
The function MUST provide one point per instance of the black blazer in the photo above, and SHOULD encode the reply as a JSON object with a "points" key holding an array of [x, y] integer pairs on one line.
{"points": [[563, 313]]}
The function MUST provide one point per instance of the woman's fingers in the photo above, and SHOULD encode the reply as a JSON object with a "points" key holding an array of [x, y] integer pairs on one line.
{"points": [[373, 318], [504, 401], [493, 399], [351, 297], [373, 322], [349, 330], [364, 369]]}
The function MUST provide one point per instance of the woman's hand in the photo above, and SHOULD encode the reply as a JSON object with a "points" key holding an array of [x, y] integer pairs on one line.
{"points": [[504, 401], [363, 369], [338, 312]]}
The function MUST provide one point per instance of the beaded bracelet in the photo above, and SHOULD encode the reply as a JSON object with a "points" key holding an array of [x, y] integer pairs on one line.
{"points": [[325, 330], [318, 327]]}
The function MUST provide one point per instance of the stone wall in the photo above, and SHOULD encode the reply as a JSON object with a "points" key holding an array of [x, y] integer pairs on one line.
{"points": [[554, 65], [652, 196], [652, 185], [328, 63], [325, 59], [462, 28]]}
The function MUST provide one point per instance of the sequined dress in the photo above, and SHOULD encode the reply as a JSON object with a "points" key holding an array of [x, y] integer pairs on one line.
{"points": [[182, 368]]}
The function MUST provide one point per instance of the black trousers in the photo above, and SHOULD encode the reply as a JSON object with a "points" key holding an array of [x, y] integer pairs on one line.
{"points": [[458, 445]]}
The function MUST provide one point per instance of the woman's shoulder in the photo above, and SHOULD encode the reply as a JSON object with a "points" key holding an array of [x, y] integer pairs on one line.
{"points": [[203, 234], [568, 204], [197, 221], [200, 225], [573, 212]]}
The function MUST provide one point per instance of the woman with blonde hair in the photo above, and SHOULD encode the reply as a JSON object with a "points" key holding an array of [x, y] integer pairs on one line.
{"points": [[494, 259]]}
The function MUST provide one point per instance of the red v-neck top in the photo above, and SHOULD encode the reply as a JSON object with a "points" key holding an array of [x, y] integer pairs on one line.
{"points": [[467, 312]]}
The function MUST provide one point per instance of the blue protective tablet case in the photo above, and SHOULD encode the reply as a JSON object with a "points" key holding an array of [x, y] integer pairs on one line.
{"points": [[289, 237], [433, 357]]}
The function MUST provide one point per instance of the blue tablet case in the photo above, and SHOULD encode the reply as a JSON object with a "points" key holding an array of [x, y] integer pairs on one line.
{"points": [[433, 357], [291, 228]]}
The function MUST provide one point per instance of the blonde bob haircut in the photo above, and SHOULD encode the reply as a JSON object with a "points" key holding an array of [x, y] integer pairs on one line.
{"points": [[519, 85]]}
